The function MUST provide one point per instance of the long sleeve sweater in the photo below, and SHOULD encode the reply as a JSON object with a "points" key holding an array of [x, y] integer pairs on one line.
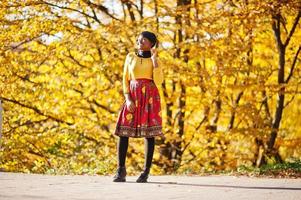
{"points": [[138, 67]]}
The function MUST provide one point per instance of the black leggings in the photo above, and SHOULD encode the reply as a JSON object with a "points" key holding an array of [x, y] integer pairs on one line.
{"points": [[149, 146]]}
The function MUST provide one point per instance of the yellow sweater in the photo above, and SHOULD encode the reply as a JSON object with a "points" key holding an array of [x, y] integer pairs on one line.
{"points": [[137, 67]]}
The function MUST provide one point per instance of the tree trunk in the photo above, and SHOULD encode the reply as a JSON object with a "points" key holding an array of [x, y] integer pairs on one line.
{"points": [[173, 151], [281, 46], [165, 149], [177, 151], [280, 95]]}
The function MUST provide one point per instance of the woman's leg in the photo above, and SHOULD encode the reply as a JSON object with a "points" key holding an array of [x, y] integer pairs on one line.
{"points": [[122, 148], [149, 146]]}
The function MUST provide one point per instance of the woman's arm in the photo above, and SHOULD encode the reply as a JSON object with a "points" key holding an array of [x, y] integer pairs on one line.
{"points": [[125, 83], [125, 76], [157, 71]]}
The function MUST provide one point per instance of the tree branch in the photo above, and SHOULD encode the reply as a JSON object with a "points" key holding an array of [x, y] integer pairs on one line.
{"points": [[103, 107], [293, 65], [72, 9], [36, 110], [276, 28], [293, 28], [101, 8], [27, 123]]}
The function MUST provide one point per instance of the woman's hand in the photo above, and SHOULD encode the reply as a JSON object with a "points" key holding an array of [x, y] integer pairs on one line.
{"points": [[129, 102], [154, 51], [154, 56], [130, 105]]}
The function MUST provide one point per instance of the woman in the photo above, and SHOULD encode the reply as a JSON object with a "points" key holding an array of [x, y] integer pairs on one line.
{"points": [[140, 114]]}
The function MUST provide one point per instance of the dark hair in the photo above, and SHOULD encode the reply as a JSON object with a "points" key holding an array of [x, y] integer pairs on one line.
{"points": [[150, 36]]}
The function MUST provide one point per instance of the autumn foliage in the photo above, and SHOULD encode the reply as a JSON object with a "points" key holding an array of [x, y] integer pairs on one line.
{"points": [[230, 98]]}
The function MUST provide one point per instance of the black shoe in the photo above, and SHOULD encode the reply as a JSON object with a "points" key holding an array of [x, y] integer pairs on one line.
{"points": [[143, 176], [120, 175]]}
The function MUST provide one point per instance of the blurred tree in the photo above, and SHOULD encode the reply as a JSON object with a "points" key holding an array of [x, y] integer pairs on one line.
{"points": [[230, 95]]}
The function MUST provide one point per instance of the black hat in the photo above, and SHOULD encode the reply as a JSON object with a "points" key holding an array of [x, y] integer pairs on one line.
{"points": [[150, 36]]}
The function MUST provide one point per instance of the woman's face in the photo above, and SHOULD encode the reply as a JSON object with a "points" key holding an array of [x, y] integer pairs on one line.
{"points": [[143, 43]]}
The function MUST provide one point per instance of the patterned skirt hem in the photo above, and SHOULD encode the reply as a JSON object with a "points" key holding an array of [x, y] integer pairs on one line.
{"points": [[139, 132]]}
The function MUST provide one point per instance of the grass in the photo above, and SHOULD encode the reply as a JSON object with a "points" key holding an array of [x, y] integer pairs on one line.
{"points": [[278, 170]]}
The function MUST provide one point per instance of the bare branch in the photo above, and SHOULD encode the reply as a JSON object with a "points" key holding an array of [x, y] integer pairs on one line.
{"points": [[15, 47], [72, 9], [76, 61], [103, 107], [36, 110], [293, 65], [293, 28], [205, 118], [27, 123], [101, 8]]}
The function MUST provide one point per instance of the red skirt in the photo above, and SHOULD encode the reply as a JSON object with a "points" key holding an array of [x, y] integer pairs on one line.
{"points": [[146, 120]]}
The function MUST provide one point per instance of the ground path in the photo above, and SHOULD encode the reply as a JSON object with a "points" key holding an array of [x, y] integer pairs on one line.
{"points": [[18, 186]]}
